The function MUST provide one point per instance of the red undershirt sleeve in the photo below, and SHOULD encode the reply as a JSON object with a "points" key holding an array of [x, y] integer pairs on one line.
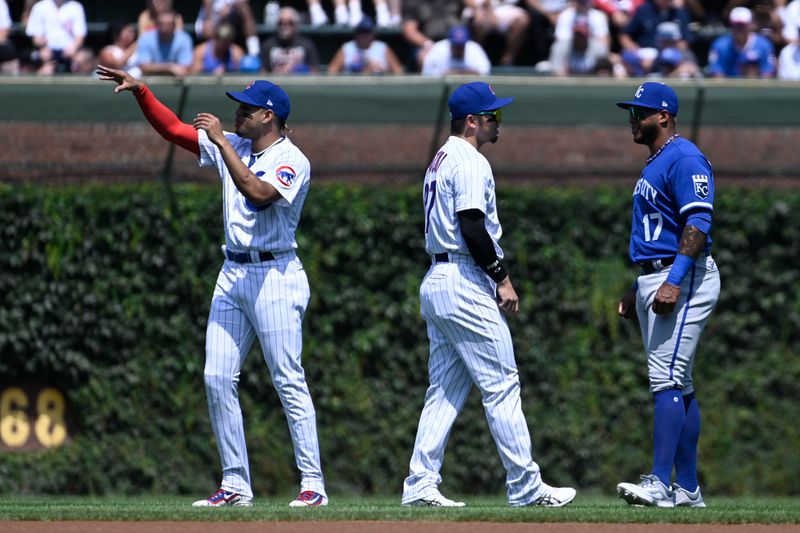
{"points": [[166, 123]]}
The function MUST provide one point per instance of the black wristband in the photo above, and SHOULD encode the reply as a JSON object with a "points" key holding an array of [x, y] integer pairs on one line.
{"points": [[495, 271]]}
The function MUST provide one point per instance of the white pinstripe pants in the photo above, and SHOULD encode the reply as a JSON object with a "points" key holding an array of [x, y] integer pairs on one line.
{"points": [[469, 343], [264, 300]]}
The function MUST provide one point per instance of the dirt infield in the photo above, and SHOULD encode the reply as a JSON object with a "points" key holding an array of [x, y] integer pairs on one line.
{"points": [[375, 527]]}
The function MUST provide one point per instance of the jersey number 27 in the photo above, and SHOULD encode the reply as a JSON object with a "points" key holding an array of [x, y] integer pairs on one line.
{"points": [[428, 197]]}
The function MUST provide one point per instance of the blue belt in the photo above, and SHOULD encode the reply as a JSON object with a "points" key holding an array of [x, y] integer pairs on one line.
{"points": [[244, 257], [441, 258]]}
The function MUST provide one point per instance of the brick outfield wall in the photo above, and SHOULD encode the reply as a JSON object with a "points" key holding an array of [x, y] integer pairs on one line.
{"points": [[41, 153]]}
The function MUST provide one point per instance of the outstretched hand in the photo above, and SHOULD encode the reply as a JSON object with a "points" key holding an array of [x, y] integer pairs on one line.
{"points": [[124, 81]]}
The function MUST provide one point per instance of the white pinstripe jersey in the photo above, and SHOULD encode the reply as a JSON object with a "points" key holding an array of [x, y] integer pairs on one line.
{"points": [[271, 227], [458, 178]]}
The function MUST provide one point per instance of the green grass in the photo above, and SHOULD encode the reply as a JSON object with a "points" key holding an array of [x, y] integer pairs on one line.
{"points": [[492, 509]]}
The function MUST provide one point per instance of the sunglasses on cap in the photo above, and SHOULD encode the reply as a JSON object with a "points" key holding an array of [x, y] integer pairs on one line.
{"points": [[497, 115], [640, 113]]}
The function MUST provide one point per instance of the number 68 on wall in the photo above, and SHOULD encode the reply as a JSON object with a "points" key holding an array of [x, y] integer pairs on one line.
{"points": [[32, 418]]}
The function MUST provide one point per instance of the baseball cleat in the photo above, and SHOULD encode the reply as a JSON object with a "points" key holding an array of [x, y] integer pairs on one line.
{"points": [[309, 498], [684, 498], [223, 498], [650, 491], [554, 496], [436, 500]]}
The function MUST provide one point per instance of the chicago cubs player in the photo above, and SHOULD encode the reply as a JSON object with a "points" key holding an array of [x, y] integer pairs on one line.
{"points": [[262, 290], [461, 298], [679, 285]]}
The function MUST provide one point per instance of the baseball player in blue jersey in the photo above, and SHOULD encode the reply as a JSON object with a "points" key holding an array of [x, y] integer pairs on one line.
{"points": [[262, 290], [673, 204], [461, 298]]}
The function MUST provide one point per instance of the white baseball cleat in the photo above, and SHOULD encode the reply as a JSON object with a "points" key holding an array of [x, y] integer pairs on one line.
{"points": [[554, 496], [309, 498], [223, 498], [435, 500], [684, 498], [650, 491]]}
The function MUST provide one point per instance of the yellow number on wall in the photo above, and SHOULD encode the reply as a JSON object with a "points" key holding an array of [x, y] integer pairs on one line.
{"points": [[14, 425], [50, 428]]}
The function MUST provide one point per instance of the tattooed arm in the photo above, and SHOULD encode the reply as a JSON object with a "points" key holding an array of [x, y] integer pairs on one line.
{"points": [[692, 243]]}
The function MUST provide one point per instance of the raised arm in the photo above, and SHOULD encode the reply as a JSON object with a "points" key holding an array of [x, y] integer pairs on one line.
{"points": [[163, 120]]}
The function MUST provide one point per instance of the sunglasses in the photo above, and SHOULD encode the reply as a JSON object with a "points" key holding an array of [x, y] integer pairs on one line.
{"points": [[640, 113], [497, 115]]}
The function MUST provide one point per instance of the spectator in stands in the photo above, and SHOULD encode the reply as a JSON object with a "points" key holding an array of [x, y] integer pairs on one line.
{"points": [[742, 51], [544, 17], [288, 52], [638, 39], [365, 54], [710, 12], [619, 12], [165, 50], [767, 21], [342, 15], [428, 21], [387, 15], [58, 28], [790, 16], [582, 38], [673, 61], [218, 55], [121, 53], [789, 62], [9, 64], [457, 54], [496, 16], [149, 17], [84, 62], [236, 12]]}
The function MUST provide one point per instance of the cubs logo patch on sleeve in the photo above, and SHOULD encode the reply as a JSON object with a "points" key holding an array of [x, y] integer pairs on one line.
{"points": [[700, 185], [286, 176]]}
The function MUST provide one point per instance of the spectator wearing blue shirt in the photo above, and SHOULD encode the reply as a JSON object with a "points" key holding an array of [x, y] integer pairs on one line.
{"points": [[742, 53], [638, 38], [165, 50]]}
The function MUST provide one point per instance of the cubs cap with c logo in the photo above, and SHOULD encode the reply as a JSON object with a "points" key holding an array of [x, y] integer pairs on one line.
{"points": [[654, 95], [263, 93], [474, 97]]}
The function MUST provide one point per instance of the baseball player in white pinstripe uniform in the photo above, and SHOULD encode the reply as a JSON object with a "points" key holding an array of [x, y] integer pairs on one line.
{"points": [[262, 290], [461, 298]]}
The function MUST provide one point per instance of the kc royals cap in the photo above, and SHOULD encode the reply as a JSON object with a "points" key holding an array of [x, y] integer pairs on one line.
{"points": [[473, 98], [654, 95], [264, 94]]}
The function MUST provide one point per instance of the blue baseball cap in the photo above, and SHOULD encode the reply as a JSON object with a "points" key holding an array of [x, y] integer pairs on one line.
{"points": [[263, 93], [475, 97], [458, 35], [654, 95]]}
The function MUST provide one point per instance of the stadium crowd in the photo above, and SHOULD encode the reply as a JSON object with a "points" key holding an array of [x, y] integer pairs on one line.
{"points": [[615, 38]]}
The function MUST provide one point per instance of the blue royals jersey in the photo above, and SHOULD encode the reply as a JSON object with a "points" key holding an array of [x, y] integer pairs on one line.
{"points": [[676, 181]]}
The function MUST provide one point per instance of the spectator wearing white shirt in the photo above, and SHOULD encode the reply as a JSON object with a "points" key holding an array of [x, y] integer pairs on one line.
{"points": [[790, 15], [582, 38], [789, 62], [58, 28], [457, 54], [9, 64]]}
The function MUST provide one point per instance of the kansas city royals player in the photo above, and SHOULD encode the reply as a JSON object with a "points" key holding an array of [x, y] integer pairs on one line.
{"points": [[461, 298], [262, 290], [679, 285]]}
